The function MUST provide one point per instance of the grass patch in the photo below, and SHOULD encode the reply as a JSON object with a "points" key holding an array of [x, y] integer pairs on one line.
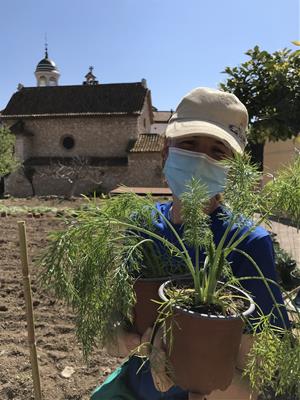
{"points": [[16, 210]]}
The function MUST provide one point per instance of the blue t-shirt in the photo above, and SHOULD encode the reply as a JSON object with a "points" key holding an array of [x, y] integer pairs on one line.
{"points": [[258, 245]]}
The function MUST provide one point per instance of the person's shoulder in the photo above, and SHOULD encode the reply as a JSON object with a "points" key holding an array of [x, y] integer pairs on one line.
{"points": [[260, 233], [159, 218], [164, 208], [258, 241], [255, 233]]}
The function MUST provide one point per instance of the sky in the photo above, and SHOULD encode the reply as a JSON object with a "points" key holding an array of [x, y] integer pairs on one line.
{"points": [[176, 45]]}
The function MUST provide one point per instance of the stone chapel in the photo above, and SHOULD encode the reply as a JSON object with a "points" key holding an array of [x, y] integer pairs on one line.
{"points": [[81, 138]]}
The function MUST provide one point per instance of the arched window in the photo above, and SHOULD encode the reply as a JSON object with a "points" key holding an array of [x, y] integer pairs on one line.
{"points": [[52, 82], [42, 81]]}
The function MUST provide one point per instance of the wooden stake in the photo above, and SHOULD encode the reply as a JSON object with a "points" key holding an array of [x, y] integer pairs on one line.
{"points": [[29, 312]]}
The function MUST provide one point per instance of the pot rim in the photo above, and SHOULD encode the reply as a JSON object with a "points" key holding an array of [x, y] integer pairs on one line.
{"points": [[247, 312], [296, 273], [164, 278]]}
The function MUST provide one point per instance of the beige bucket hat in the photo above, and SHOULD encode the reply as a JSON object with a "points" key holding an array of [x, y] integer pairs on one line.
{"points": [[212, 113]]}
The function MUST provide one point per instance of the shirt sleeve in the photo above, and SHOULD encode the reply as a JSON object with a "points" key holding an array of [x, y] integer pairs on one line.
{"points": [[268, 299]]}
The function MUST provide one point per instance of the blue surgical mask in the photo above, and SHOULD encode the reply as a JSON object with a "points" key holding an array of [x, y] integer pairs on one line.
{"points": [[183, 165]]}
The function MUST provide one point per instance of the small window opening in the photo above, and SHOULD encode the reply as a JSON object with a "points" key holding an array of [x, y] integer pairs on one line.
{"points": [[68, 142]]}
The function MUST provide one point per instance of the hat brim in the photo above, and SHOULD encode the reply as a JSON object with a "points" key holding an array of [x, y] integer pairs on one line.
{"points": [[178, 129]]}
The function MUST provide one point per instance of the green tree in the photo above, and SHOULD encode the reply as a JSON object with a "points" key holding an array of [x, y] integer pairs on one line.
{"points": [[8, 162], [269, 85]]}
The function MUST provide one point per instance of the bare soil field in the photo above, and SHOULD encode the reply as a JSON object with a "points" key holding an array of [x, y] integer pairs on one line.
{"points": [[57, 346], [56, 342]]}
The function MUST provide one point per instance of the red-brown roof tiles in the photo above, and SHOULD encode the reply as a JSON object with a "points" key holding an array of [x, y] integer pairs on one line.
{"points": [[148, 142]]}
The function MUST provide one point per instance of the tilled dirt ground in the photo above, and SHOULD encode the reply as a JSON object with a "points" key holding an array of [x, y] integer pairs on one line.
{"points": [[56, 342], [57, 346]]}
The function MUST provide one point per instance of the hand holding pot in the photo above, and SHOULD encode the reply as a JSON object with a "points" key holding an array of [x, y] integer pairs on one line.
{"points": [[124, 344], [239, 388], [159, 363], [160, 366], [128, 342]]}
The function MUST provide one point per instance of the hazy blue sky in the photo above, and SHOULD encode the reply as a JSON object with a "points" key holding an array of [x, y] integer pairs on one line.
{"points": [[175, 44]]}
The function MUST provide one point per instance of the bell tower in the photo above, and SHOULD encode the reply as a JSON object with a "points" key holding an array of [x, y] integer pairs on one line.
{"points": [[90, 78], [46, 73]]}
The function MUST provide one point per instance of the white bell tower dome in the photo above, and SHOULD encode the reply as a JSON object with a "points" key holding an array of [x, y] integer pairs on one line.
{"points": [[46, 72]]}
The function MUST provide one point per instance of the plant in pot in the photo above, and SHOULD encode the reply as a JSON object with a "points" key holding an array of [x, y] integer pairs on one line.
{"points": [[105, 265], [94, 263], [214, 310]]}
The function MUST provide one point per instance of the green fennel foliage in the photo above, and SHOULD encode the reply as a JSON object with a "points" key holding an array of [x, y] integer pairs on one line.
{"points": [[242, 192], [274, 361], [197, 232], [92, 264], [80, 265]]}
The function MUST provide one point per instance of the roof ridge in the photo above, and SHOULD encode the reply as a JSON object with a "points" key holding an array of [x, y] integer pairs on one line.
{"points": [[77, 99], [80, 85]]}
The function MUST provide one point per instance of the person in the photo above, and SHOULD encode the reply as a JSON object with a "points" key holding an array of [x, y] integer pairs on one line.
{"points": [[208, 126]]}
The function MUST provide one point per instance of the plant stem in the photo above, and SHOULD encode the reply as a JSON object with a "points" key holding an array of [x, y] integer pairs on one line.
{"points": [[197, 281], [185, 255], [265, 280], [247, 233], [216, 267]]}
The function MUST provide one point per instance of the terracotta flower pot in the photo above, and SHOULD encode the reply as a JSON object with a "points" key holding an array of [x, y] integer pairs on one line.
{"points": [[145, 310], [204, 347]]}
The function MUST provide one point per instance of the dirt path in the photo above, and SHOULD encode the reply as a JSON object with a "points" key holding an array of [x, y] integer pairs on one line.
{"points": [[56, 343]]}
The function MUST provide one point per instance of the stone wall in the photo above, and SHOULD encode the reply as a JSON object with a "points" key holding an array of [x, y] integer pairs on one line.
{"points": [[101, 137], [143, 169], [17, 185], [144, 120], [277, 154], [95, 137], [99, 179], [22, 146], [46, 182], [159, 128]]}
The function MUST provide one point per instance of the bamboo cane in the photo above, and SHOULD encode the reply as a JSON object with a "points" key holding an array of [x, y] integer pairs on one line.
{"points": [[29, 312]]}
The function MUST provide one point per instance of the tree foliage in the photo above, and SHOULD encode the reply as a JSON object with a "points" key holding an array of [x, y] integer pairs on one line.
{"points": [[8, 162], [269, 86]]}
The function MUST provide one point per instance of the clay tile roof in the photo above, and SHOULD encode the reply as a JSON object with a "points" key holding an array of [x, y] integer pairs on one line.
{"points": [[162, 116], [103, 99], [148, 142]]}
